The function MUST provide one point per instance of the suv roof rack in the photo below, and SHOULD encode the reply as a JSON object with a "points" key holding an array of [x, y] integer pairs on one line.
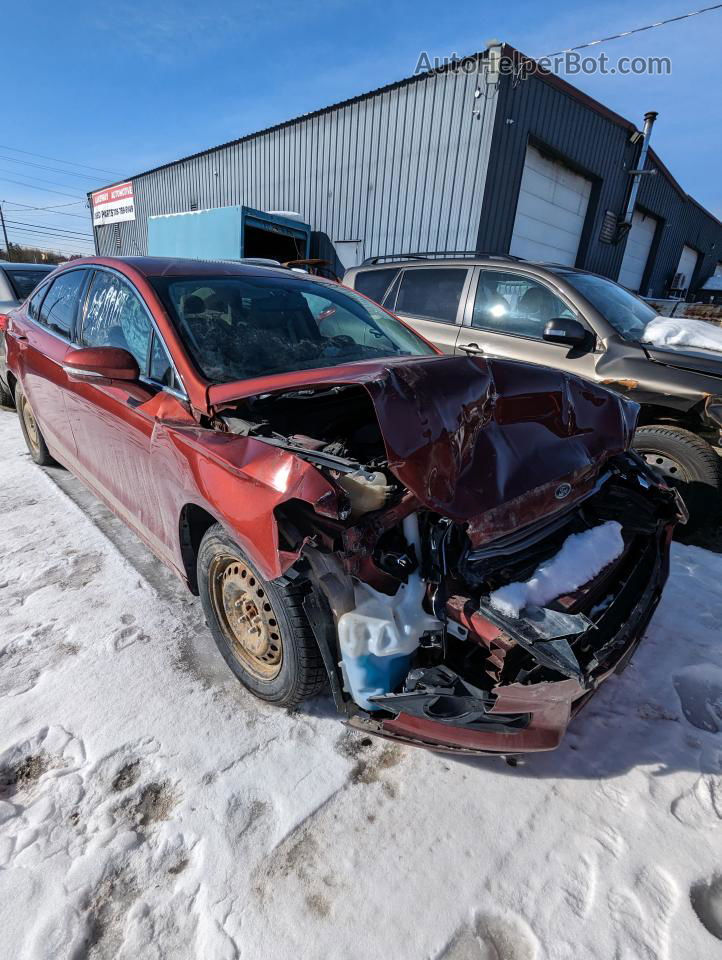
{"points": [[437, 255]]}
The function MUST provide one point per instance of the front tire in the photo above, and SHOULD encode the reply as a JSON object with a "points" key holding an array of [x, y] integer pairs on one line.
{"points": [[687, 462], [34, 439], [259, 626]]}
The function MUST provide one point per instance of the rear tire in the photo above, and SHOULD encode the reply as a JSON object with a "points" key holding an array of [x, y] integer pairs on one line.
{"points": [[259, 626], [687, 462], [6, 397], [34, 439]]}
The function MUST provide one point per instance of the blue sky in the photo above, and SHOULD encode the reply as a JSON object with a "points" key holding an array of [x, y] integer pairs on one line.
{"points": [[125, 86]]}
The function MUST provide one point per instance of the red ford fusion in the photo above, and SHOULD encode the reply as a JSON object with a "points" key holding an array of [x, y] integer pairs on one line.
{"points": [[347, 502]]}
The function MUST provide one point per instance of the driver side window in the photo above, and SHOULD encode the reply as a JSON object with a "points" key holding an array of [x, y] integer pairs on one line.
{"points": [[115, 318], [515, 304]]}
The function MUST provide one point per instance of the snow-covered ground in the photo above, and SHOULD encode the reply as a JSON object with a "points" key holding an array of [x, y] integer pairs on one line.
{"points": [[149, 807]]}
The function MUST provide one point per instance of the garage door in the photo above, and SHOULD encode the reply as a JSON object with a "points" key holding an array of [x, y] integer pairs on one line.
{"points": [[687, 263], [636, 253], [550, 211]]}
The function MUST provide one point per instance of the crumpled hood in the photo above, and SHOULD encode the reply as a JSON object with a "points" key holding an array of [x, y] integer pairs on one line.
{"points": [[490, 442], [485, 442]]}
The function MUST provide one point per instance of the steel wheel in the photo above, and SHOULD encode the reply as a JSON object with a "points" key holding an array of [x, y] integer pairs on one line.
{"points": [[670, 469], [32, 433], [246, 617]]}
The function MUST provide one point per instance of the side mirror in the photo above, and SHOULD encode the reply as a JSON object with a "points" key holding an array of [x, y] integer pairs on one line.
{"points": [[565, 330], [100, 363]]}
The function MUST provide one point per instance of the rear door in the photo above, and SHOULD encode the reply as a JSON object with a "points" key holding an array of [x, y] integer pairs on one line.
{"points": [[42, 335], [505, 317], [113, 431], [431, 299]]}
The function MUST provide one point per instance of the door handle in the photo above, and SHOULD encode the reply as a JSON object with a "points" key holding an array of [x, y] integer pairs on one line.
{"points": [[20, 337], [472, 348]]}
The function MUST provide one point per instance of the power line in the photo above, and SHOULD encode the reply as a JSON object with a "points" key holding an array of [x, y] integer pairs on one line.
{"points": [[30, 186], [71, 163], [628, 33], [29, 236], [51, 209], [49, 229], [30, 176], [44, 166], [49, 235]]}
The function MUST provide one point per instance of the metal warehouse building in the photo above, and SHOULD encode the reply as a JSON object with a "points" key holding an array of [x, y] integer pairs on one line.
{"points": [[469, 157]]}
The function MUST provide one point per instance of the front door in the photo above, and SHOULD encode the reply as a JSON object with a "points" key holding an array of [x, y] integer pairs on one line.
{"points": [[506, 316], [113, 431]]}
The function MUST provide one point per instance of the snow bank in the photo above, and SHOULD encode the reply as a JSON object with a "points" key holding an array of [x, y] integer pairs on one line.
{"points": [[581, 557], [683, 332]]}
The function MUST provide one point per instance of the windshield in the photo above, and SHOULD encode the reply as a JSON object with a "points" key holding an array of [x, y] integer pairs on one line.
{"points": [[24, 282], [237, 328], [627, 314]]}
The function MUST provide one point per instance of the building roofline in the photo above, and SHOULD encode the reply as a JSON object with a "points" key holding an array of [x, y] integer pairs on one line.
{"points": [[396, 85], [506, 49]]}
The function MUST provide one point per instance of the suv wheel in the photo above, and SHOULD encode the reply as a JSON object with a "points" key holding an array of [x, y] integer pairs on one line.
{"points": [[31, 431], [259, 626], [685, 461]]}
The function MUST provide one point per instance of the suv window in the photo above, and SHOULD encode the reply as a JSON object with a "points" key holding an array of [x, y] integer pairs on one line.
{"points": [[375, 283], [433, 293], [512, 303], [60, 305], [116, 318]]}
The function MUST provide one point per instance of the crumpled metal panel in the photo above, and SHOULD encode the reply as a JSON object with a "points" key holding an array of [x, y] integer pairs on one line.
{"points": [[490, 441], [482, 441]]}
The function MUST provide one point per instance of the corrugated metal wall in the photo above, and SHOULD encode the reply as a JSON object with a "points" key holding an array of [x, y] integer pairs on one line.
{"points": [[403, 169], [544, 113], [425, 164]]}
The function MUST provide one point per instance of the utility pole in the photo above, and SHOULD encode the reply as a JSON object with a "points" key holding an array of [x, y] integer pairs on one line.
{"points": [[5, 232]]}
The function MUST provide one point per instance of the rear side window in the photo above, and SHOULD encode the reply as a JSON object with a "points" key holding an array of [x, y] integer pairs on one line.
{"points": [[375, 283], [60, 306], [24, 282], [35, 301], [116, 318], [433, 293]]}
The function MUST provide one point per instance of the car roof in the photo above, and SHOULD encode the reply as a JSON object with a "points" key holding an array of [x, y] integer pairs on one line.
{"points": [[180, 267], [385, 263], [29, 266]]}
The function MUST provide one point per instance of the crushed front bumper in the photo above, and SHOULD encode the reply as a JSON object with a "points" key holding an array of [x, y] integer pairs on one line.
{"points": [[533, 716]]}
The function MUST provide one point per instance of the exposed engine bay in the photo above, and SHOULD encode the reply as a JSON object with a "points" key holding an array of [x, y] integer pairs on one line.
{"points": [[447, 491]]}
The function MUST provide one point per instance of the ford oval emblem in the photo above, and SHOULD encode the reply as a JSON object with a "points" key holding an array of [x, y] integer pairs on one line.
{"points": [[563, 491]]}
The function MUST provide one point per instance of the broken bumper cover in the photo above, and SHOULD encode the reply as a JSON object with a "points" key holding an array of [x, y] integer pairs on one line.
{"points": [[531, 717]]}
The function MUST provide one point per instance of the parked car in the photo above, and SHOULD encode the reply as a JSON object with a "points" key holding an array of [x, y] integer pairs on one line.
{"points": [[575, 321], [17, 281], [345, 499]]}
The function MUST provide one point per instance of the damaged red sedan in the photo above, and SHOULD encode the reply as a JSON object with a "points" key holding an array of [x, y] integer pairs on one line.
{"points": [[463, 548]]}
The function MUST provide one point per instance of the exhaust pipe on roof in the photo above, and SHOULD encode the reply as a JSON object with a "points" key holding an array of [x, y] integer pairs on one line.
{"points": [[637, 174]]}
